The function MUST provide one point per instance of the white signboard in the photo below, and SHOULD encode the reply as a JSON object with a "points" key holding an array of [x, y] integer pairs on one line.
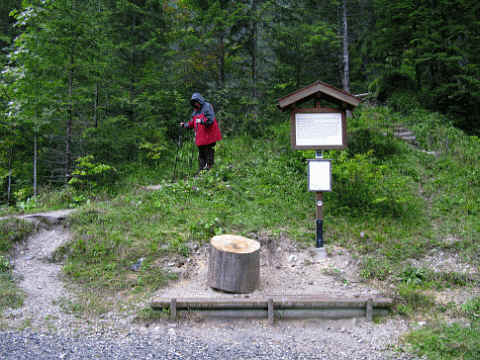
{"points": [[319, 175], [320, 129]]}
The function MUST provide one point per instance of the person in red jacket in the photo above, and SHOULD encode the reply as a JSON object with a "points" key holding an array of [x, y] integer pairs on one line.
{"points": [[207, 131]]}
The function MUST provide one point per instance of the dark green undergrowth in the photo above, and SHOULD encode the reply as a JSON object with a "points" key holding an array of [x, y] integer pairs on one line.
{"points": [[11, 232]]}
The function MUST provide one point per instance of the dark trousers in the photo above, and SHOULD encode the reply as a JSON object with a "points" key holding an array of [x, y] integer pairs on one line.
{"points": [[206, 155]]}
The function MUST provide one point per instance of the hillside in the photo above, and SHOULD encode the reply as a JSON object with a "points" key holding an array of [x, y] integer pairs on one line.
{"points": [[406, 216]]}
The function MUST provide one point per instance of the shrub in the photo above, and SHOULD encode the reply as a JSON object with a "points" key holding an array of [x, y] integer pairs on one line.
{"points": [[361, 186], [89, 175], [362, 141]]}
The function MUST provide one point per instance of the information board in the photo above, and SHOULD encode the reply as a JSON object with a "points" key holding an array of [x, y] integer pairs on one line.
{"points": [[319, 175], [318, 129]]}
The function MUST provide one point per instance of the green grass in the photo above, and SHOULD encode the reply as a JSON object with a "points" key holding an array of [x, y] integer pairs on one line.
{"points": [[450, 341], [10, 295], [11, 231]]}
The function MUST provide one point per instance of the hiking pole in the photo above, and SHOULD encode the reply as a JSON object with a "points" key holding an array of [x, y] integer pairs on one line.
{"points": [[179, 145]]}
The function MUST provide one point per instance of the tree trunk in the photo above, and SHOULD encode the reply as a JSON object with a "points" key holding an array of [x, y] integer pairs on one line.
{"points": [[68, 139], [35, 163], [95, 106], [234, 264], [221, 61], [346, 56], [9, 189], [133, 65]]}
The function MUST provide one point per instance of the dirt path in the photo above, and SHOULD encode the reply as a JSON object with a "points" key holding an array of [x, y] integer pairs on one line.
{"points": [[39, 277]]}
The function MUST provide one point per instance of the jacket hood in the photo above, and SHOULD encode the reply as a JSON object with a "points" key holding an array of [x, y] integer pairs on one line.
{"points": [[197, 97]]}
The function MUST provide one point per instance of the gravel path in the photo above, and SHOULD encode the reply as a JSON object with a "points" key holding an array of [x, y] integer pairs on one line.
{"points": [[224, 341], [40, 279]]}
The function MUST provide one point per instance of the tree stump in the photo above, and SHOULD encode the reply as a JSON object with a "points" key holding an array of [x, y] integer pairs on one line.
{"points": [[234, 264]]}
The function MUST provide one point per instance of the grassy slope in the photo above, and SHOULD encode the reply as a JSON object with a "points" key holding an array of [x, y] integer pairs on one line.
{"points": [[11, 231], [389, 203]]}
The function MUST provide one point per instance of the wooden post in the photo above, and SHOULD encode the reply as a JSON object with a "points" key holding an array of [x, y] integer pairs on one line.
{"points": [[369, 309], [271, 317], [173, 309]]}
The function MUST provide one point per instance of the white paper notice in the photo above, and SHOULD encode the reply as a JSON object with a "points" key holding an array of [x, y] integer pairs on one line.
{"points": [[319, 172], [318, 129]]}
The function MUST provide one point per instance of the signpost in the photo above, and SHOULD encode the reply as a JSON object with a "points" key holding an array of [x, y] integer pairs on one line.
{"points": [[318, 129]]}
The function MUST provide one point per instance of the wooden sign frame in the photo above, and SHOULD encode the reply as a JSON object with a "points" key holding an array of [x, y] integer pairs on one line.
{"points": [[329, 164], [293, 129]]}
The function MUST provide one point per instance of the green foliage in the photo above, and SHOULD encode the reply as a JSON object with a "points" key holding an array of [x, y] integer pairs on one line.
{"points": [[5, 265], [10, 295], [433, 48], [148, 314], [450, 341], [375, 268], [471, 309], [442, 341], [393, 83], [411, 299], [363, 140], [88, 175], [363, 185], [12, 231]]}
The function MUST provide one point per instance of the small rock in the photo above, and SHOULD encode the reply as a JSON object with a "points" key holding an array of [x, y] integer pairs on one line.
{"points": [[292, 258], [137, 265]]}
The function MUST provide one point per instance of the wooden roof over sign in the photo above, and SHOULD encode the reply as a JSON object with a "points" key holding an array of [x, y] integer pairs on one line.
{"points": [[318, 90]]}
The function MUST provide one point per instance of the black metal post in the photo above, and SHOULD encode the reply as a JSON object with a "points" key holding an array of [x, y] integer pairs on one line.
{"points": [[319, 233]]}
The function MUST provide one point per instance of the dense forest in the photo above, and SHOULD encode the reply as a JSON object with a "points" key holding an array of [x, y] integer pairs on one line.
{"points": [[96, 85]]}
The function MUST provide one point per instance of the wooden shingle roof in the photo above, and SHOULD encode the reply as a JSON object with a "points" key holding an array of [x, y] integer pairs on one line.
{"points": [[319, 90]]}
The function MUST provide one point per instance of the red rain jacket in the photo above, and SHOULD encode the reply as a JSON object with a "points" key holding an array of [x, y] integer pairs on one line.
{"points": [[204, 134]]}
